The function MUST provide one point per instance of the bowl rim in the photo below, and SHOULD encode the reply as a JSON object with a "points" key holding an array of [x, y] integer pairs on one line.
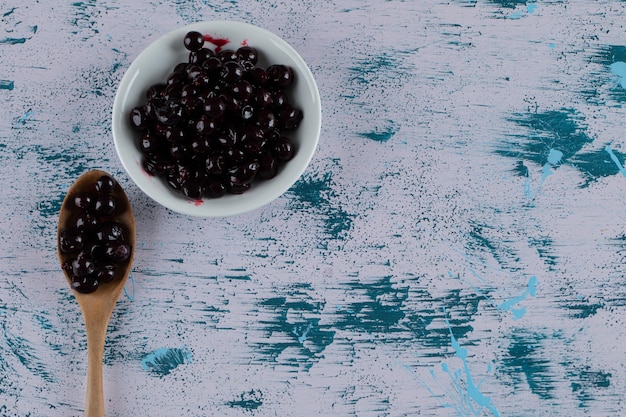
{"points": [[229, 205]]}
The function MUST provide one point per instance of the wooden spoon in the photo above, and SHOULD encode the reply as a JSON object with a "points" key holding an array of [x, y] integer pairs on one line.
{"points": [[97, 306]]}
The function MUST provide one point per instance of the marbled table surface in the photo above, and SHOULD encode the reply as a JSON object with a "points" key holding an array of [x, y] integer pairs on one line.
{"points": [[455, 248]]}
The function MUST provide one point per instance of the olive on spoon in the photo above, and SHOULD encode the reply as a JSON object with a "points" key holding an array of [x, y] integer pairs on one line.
{"points": [[95, 245]]}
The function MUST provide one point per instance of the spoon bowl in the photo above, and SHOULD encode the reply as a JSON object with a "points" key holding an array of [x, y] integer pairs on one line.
{"points": [[97, 306]]}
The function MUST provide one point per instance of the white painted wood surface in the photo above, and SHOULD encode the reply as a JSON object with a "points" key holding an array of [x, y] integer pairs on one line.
{"points": [[456, 247]]}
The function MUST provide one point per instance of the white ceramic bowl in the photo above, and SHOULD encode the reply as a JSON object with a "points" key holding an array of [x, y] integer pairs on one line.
{"points": [[157, 61]]}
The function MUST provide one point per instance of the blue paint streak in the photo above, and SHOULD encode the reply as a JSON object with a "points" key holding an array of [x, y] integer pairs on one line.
{"points": [[164, 360], [12, 41], [585, 382], [177, 260], [382, 134], [434, 339], [523, 171], [7, 85], [16, 41], [380, 310], [530, 9], [131, 297], [554, 156], [473, 392], [25, 352], [619, 165], [367, 70], [555, 138], [290, 325], [302, 334], [619, 69], [481, 239], [315, 194], [511, 4], [525, 359], [22, 120], [581, 307], [614, 58], [420, 380], [250, 400], [562, 129], [510, 304], [545, 248]]}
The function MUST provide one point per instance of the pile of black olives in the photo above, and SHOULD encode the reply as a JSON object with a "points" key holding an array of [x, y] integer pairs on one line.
{"points": [[218, 122], [93, 243]]}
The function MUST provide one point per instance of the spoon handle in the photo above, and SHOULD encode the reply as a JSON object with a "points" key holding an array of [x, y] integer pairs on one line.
{"points": [[94, 401]]}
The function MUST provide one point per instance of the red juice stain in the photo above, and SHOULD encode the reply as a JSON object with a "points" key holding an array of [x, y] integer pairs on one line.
{"points": [[244, 42], [218, 42], [197, 202]]}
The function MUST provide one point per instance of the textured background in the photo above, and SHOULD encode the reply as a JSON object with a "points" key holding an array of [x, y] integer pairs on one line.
{"points": [[456, 247]]}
